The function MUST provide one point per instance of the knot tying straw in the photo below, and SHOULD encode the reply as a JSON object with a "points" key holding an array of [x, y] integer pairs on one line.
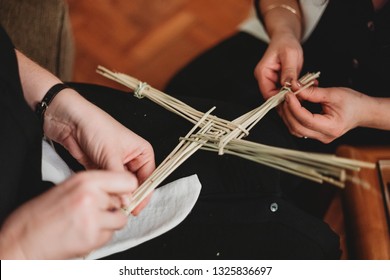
{"points": [[139, 89], [287, 88]]}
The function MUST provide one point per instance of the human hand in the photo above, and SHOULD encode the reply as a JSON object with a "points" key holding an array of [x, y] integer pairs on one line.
{"points": [[96, 139], [92, 136], [280, 65], [341, 111], [69, 220]]}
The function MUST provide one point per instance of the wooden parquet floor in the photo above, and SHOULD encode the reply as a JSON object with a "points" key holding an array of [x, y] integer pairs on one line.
{"points": [[148, 39]]}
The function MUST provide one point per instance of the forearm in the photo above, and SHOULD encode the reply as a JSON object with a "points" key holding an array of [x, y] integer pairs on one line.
{"points": [[36, 81], [9, 249], [281, 17]]}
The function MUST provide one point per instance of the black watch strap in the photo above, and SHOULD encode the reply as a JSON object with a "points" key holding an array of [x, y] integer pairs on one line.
{"points": [[47, 99]]}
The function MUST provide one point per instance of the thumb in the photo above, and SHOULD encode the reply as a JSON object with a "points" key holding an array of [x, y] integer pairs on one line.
{"points": [[315, 95], [290, 70], [288, 75]]}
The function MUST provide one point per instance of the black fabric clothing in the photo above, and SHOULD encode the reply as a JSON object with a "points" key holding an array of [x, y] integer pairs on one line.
{"points": [[222, 227], [351, 44], [240, 213], [20, 141]]}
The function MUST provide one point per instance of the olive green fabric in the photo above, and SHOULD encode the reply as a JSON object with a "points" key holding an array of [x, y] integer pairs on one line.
{"points": [[41, 30]]}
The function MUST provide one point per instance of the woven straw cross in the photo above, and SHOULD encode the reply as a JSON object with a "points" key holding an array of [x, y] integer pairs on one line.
{"points": [[225, 137]]}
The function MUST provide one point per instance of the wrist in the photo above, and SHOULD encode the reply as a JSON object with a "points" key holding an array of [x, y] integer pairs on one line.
{"points": [[284, 29], [281, 16], [9, 247], [42, 106], [66, 113], [284, 32], [376, 114], [63, 108]]}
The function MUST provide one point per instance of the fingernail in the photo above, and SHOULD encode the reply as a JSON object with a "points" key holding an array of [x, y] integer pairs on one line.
{"points": [[287, 82]]}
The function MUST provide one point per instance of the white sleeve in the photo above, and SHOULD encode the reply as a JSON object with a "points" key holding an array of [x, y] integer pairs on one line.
{"points": [[312, 11]]}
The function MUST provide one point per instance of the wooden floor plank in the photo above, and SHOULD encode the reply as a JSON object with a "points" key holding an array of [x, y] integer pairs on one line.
{"points": [[148, 39]]}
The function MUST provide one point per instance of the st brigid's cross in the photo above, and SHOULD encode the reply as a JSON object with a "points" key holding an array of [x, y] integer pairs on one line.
{"points": [[225, 137]]}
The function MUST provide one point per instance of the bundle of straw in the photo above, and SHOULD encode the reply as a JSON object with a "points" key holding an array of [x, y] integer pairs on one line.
{"points": [[181, 152], [222, 136]]}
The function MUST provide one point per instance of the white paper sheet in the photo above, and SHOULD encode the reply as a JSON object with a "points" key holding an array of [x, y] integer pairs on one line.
{"points": [[169, 205], [54, 168]]}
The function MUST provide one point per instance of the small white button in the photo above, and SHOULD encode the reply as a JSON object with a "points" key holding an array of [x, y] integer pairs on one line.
{"points": [[274, 207]]}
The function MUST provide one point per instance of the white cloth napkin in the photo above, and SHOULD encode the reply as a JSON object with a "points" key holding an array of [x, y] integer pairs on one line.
{"points": [[169, 205]]}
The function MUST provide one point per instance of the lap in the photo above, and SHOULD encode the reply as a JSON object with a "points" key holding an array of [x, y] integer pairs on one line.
{"points": [[233, 217]]}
